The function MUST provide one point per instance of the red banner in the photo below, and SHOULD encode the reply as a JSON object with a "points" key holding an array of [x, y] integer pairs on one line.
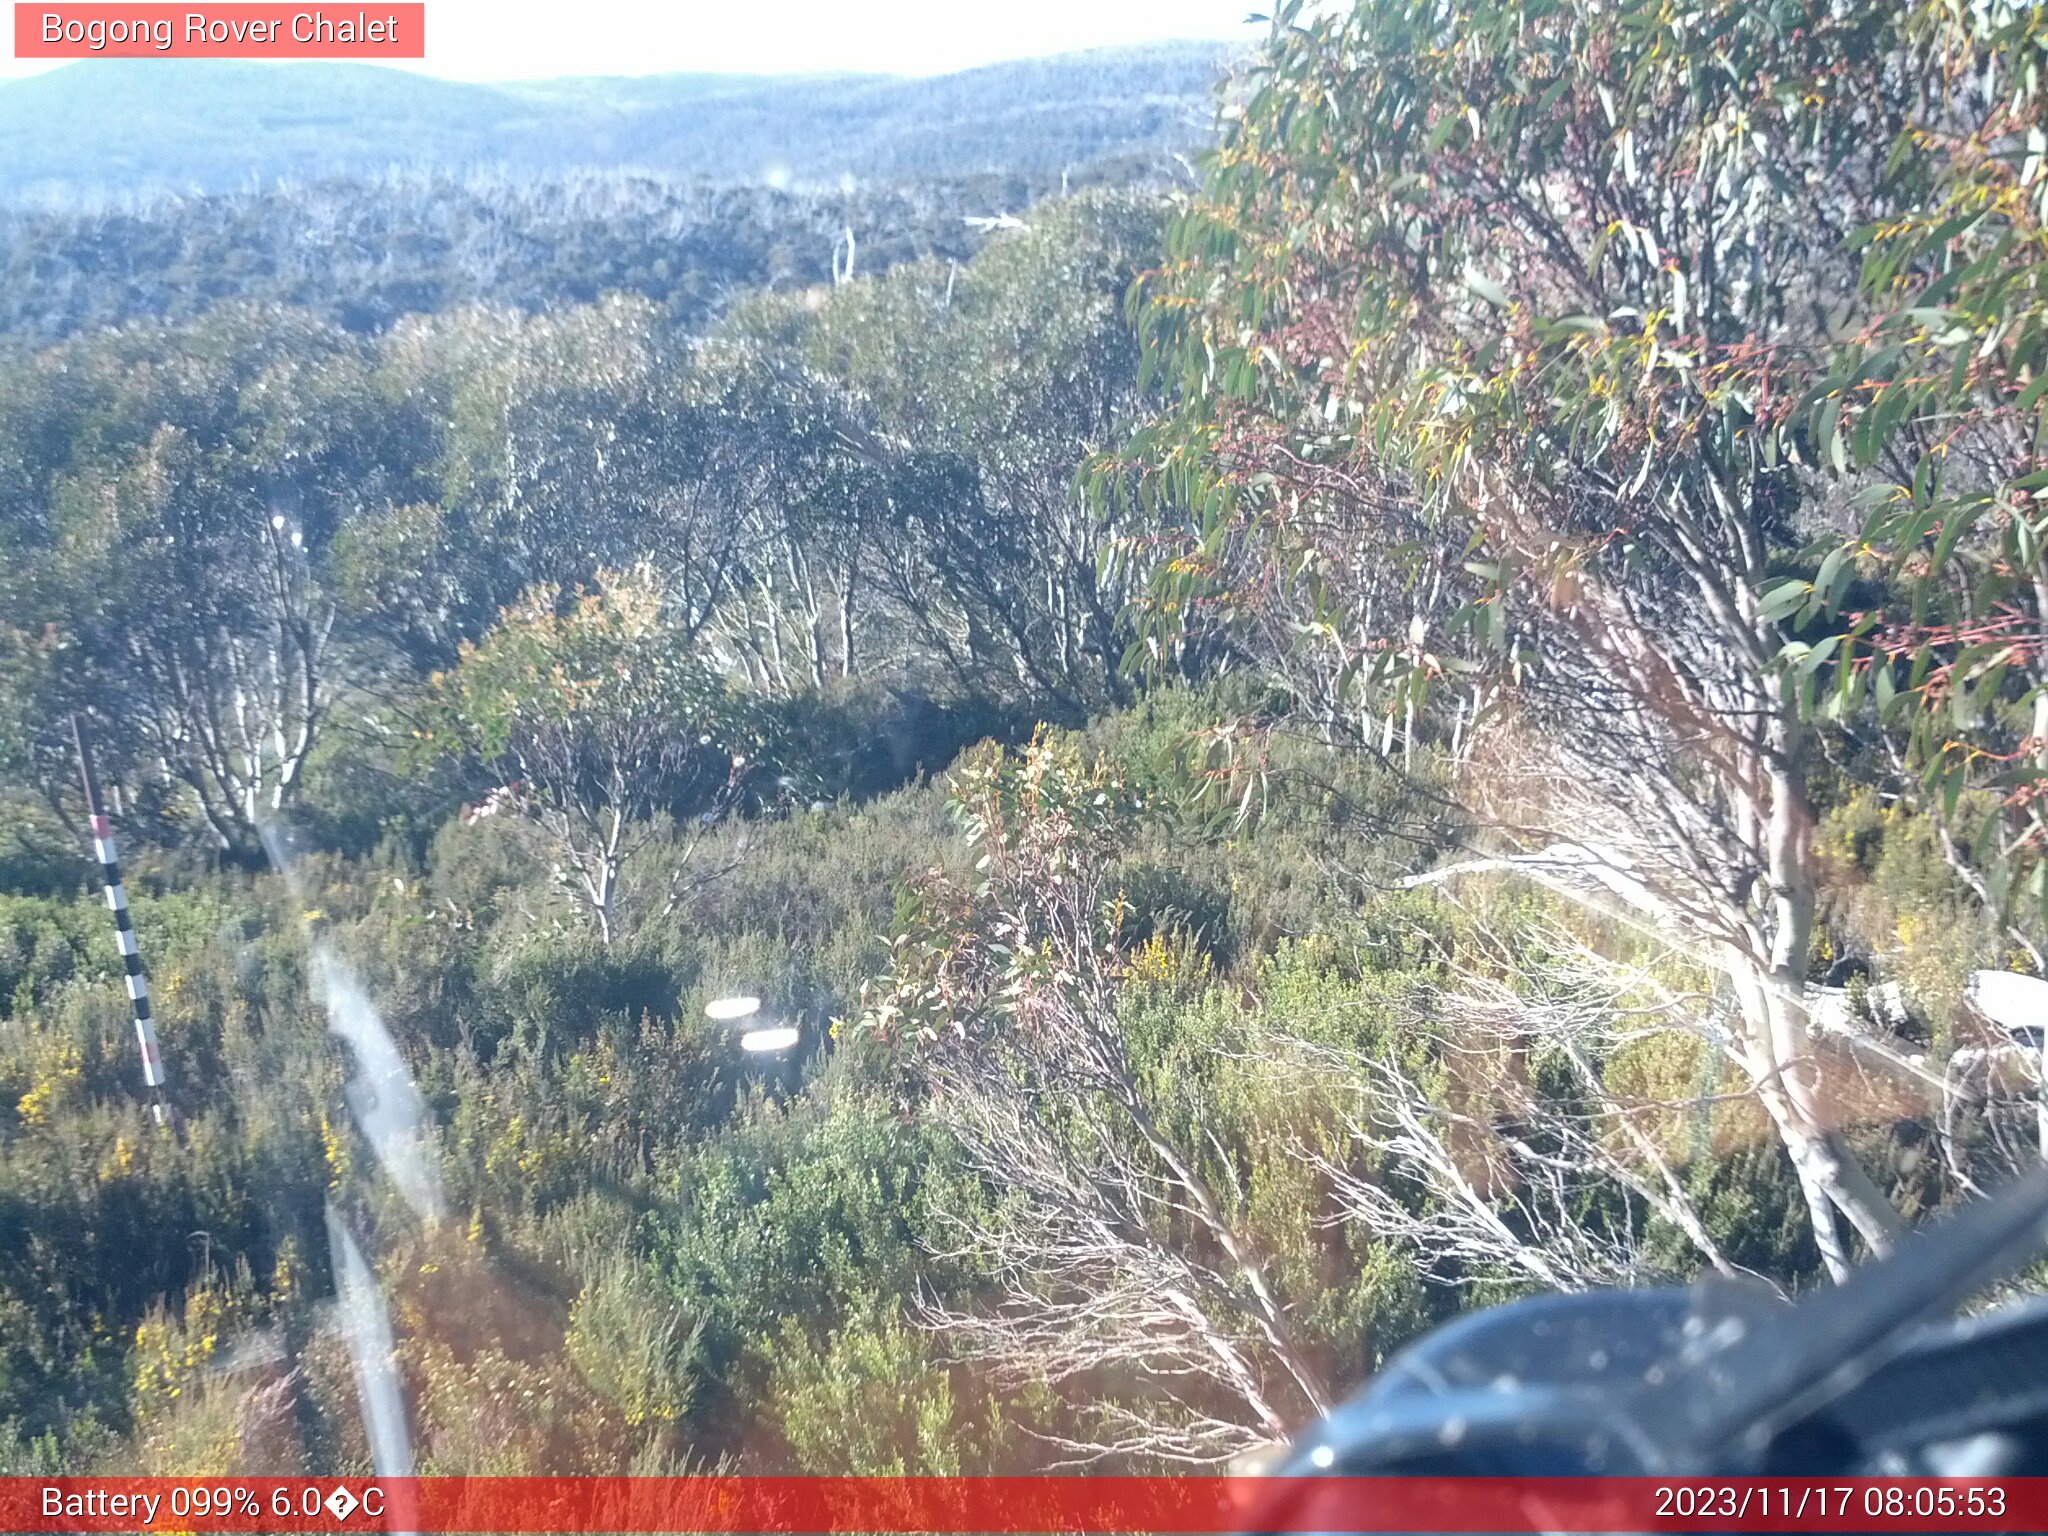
{"points": [[1209, 1506], [232, 31]]}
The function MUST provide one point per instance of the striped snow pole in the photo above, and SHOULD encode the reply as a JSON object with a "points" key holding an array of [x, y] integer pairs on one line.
{"points": [[124, 928]]}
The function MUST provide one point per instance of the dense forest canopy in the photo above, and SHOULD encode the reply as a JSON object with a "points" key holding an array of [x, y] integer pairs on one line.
{"points": [[364, 258], [1448, 712]]}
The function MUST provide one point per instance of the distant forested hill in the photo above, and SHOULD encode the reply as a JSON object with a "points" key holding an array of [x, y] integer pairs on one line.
{"points": [[114, 128], [155, 189]]}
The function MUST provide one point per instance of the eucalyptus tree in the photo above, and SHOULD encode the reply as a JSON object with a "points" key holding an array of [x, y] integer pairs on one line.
{"points": [[592, 714], [794, 484], [937, 511], [1483, 332], [564, 442], [173, 501], [1936, 407]]}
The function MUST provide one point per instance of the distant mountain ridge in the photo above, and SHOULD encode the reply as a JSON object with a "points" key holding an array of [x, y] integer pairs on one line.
{"points": [[114, 129]]}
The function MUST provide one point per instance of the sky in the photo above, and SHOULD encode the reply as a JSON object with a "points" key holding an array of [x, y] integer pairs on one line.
{"points": [[536, 39]]}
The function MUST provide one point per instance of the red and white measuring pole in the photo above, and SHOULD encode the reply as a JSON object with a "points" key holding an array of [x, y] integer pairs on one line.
{"points": [[124, 928]]}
